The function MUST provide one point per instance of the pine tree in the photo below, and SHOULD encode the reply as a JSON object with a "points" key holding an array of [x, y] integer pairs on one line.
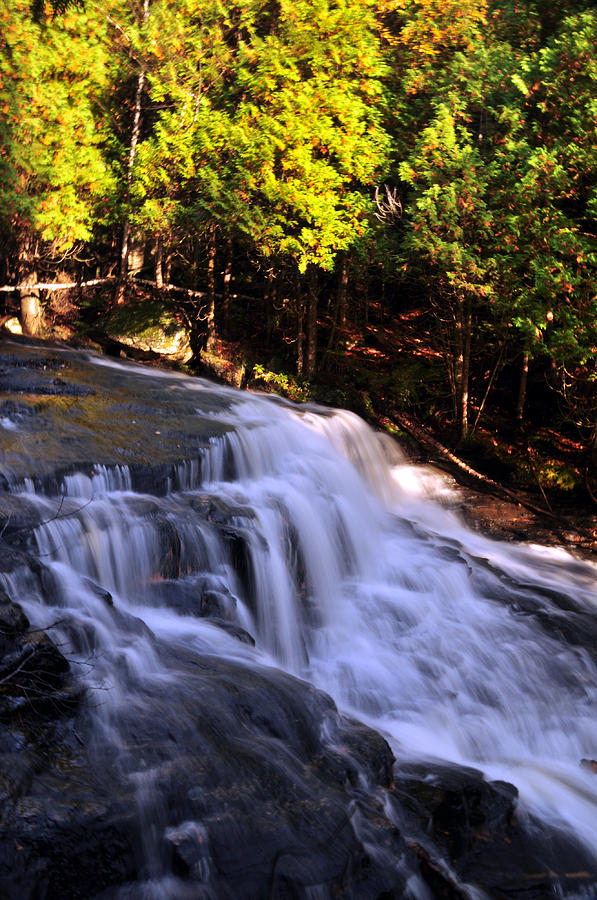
{"points": [[52, 167]]}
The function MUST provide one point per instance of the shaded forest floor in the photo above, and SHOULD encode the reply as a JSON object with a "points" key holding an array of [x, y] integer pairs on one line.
{"points": [[531, 483]]}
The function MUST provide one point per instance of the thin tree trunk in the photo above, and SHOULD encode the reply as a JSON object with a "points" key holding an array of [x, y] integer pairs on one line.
{"points": [[489, 386], [342, 293], [168, 266], [311, 361], [463, 325], [135, 134], [522, 387], [227, 285], [339, 319], [466, 363], [458, 359], [159, 263], [271, 300], [211, 288], [298, 300]]}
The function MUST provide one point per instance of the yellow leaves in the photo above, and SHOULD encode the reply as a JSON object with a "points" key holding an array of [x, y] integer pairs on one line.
{"points": [[431, 25]]}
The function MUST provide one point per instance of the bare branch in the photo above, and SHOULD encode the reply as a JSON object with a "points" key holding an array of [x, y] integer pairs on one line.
{"points": [[389, 208]]}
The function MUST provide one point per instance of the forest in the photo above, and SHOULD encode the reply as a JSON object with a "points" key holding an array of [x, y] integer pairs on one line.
{"points": [[383, 204]]}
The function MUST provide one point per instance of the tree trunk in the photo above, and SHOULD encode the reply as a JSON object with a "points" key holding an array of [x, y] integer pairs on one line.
{"points": [[32, 319], [270, 300], [168, 265], [211, 288], [466, 364], [458, 358], [135, 134], [298, 302], [339, 319], [311, 361], [522, 387], [227, 285], [159, 263], [342, 293], [463, 324]]}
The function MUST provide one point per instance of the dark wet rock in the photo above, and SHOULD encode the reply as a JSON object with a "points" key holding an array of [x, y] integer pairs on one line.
{"points": [[84, 414], [63, 834], [15, 412], [189, 846], [557, 614], [370, 751], [32, 375], [99, 591], [151, 479], [35, 679], [13, 620], [11, 559], [234, 631], [198, 595], [452, 814], [273, 822], [234, 794], [18, 520]]}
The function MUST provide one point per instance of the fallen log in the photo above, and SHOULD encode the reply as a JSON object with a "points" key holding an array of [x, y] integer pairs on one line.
{"points": [[56, 286], [427, 440]]}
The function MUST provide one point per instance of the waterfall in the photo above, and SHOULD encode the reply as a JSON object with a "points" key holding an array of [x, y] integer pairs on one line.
{"points": [[313, 549]]}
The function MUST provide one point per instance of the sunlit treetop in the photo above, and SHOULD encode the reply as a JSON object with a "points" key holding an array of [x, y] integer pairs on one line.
{"points": [[41, 9]]}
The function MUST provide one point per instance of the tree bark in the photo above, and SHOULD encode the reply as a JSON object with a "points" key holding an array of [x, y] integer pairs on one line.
{"points": [[135, 134], [463, 325], [522, 387], [339, 319], [159, 263], [168, 265], [32, 319], [342, 293], [466, 363], [227, 286], [311, 361], [298, 302], [211, 288]]}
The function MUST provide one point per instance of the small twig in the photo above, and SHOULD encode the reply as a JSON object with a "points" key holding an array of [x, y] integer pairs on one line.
{"points": [[486, 395], [5, 526], [12, 672], [537, 479]]}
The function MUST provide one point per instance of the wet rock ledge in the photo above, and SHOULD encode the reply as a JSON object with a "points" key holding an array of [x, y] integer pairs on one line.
{"points": [[235, 782]]}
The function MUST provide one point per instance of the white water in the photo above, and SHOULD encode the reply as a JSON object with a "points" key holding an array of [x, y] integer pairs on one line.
{"points": [[362, 583]]}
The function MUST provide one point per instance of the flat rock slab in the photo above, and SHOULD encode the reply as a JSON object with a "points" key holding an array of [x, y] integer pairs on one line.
{"points": [[62, 409]]}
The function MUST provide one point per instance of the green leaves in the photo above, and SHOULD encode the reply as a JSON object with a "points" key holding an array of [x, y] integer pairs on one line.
{"points": [[52, 163], [265, 122]]}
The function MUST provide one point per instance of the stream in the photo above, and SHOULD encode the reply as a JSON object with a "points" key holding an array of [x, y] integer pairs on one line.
{"points": [[290, 670]]}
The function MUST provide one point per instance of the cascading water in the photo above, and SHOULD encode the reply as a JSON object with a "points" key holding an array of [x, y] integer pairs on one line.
{"points": [[305, 530]]}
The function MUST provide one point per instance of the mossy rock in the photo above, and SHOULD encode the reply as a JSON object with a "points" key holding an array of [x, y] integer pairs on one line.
{"points": [[149, 326]]}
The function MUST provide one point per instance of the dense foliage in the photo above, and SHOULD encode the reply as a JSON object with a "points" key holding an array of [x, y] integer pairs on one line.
{"points": [[292, 161]]}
